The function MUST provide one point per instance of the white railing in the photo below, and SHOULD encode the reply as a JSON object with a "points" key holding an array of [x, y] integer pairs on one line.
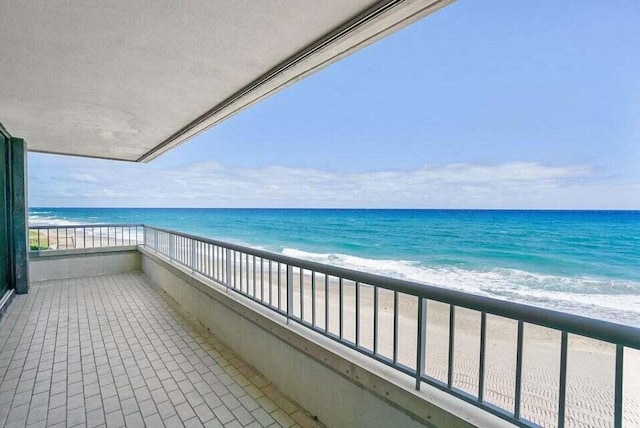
{"points": [[47, 238]]}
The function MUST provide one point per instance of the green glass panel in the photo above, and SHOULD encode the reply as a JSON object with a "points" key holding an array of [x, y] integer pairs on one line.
{"points": [[4, 244]]}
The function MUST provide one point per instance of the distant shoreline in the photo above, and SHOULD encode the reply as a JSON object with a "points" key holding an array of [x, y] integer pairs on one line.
{"points": [[554, 210]]}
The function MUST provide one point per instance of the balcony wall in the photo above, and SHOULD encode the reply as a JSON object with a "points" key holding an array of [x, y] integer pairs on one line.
{"points": [[63, 264]]}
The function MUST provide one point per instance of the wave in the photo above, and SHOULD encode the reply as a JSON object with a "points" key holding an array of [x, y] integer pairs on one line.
{"points": [[604, 298], [40, 220]]}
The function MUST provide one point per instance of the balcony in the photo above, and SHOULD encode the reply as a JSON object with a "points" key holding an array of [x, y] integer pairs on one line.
{"points": [[113, 325], [141, 325]]}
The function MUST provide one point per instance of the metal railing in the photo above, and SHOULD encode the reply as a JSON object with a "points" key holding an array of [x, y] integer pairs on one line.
{"points": [[372, 315], [46, 238]]}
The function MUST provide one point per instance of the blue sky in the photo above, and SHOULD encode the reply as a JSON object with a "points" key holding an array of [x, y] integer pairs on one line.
{"points": [[492, 104]]}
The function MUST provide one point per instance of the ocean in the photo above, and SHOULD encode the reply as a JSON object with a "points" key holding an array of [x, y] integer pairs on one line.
{"points": [[584, 262]]}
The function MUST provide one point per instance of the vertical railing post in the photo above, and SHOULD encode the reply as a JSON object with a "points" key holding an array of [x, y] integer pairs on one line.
{"points": [[519, 357], [301, 295], [270, 285], [395, 327], [618, 389], [562, 393], [357, 314], [326, 303], [253, 265], [240, 271], [422, 331], [452, 342], [375, 320], [172, 246], [313, 298], [341, 307], [227, 256], [192, 261], [481, 362], [289, 292], [279, 287]]}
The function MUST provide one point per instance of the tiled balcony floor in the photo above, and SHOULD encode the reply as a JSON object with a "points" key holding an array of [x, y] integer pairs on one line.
{"points": [[114, 351]]}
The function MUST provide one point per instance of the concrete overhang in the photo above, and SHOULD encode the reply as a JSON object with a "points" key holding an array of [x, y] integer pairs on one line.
{"points": [[129, 80]]}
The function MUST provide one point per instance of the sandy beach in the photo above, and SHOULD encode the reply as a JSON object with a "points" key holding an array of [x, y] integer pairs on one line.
{"points": [[590, 378]]}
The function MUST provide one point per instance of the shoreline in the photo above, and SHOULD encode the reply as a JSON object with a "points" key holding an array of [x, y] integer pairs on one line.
{"points": [[546, 291], [590, 365]]}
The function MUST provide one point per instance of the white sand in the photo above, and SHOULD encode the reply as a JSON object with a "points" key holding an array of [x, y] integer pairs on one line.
{"points": [[590, 378]]}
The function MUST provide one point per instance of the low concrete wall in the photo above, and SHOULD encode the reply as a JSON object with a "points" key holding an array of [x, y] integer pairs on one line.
{"points": [[63, 264], [338, 385]]}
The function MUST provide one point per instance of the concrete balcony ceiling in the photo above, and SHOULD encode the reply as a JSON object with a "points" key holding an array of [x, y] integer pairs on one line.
{"points": [[130, 80]]}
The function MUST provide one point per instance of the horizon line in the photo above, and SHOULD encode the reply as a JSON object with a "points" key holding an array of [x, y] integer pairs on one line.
{"points": [[345, 208]]}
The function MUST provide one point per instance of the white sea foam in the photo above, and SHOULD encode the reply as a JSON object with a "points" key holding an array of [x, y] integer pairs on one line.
{"points": [[91, 233], [616, 300], [43, 220]]}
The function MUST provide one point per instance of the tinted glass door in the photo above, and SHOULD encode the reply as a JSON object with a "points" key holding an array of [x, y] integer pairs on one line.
{"points": [[4, 235]]}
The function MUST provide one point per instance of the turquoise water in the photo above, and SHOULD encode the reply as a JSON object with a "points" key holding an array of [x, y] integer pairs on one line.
{"points": [[586, 262]]}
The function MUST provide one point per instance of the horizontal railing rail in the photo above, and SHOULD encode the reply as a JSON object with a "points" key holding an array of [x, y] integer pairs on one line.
{"points": [[84, 236], [354, 308], [81, 226]]}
